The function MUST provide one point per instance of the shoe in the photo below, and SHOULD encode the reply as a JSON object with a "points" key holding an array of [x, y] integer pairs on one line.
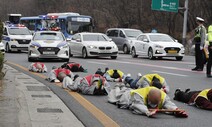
{"points": [[187, 90], [209, 76], [139, 75], [199, 69], [194, 69], [175, 93], [128, 75]]}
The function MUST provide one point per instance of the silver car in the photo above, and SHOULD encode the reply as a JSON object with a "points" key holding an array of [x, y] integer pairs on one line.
{"points": [[123, 37], [48, 44]]}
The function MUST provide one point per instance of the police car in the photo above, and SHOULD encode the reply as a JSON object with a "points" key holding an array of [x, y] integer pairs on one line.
{"points": [[48, 44], [16, 37]]}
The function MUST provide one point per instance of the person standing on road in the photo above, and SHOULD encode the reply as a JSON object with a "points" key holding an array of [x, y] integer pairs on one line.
{"points": [[209, 63], [201, 99], [199, 40]]}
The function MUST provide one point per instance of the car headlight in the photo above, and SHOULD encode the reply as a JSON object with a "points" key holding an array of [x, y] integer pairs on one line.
{"points": [[92, 47], [33, 46], [65, 46], [114, 47], [158, 46], [12, 39]]}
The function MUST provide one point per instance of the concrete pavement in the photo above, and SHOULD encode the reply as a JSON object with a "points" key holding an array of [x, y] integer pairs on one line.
{"points": [[26, 102]]}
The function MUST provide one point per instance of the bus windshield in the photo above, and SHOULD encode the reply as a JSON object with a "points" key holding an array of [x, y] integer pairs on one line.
{"points": [[76, 25]]}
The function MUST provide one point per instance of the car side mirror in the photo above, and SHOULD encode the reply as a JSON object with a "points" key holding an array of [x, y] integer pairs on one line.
{"points": [[68, 39], [78, 40], [145, 40], [109, 39]]}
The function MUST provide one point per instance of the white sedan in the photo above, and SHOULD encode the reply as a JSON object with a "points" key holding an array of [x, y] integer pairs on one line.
{"points": [[93, 44], [48, 44], [157, 45]]}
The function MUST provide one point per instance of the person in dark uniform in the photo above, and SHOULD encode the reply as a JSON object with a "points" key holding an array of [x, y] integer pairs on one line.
{"points": [[208, 72], [199, 39]]}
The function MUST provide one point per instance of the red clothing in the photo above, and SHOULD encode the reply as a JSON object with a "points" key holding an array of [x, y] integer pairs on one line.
{"points": [[73, 64], [35, 64], [66, 71], [89, 78]]}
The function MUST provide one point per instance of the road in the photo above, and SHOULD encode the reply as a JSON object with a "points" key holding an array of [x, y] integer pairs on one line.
{"points": [[177, 73]]}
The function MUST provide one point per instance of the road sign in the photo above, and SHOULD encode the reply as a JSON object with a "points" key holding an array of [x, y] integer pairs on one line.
{"points": [[165, 5]]}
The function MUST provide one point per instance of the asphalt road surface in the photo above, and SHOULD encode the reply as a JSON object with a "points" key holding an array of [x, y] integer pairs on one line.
{"points": [[178, 74]]}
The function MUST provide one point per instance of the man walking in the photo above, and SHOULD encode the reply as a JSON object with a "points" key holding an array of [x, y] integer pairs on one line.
{"points": [[199, 40]]}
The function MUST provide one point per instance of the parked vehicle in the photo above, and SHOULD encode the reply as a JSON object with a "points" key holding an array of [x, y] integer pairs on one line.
{"points": [[123, 37], [93, 44], [16, 37], [157, 45], [48, 44]]}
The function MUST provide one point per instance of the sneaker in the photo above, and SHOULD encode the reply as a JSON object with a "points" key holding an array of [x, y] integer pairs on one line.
{"points": [[175, 93], [139, 75], [187, 90], [128, 75]]}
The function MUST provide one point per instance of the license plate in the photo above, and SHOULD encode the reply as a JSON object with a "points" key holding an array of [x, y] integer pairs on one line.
{"points": [[105, 51], [172, 51], [48, 53]]}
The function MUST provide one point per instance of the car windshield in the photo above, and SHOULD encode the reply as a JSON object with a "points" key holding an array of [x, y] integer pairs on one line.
{"points": [[19, 31], [94, 37], [49, 36], [161, 38], [132, 33]]}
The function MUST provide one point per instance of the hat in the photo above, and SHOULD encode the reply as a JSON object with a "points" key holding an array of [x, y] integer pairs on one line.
{"points": [[200, 19]]}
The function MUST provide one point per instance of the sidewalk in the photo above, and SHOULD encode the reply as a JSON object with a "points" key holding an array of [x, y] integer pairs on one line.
{"points": [[25, 102]]}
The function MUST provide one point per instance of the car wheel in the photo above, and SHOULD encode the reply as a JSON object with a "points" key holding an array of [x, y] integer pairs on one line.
{"points": [[134, 53], [66, 60], [113, 57], [150, 54], [84, 53], [30, 59], [8, 48], [125, 49], [179, 58]]}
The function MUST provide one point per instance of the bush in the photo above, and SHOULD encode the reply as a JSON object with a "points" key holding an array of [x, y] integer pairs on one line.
{"points": [[1, 66]]}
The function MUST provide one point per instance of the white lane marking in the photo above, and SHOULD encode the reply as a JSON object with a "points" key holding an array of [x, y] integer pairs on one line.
{"points": [[170, 73], [96, 62]]}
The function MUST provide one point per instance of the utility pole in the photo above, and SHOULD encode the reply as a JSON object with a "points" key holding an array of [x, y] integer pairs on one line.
{"points": [[185, 22]]}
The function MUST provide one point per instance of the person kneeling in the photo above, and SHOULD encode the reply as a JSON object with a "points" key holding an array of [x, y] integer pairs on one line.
{"points": [[38, 67]]}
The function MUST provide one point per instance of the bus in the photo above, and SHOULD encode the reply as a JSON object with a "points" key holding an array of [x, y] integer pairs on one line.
{"points": [[69, 23]]}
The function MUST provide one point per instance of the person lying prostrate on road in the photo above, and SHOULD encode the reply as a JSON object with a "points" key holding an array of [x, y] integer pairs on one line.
{"points": [[114, 75], [148, 80], [38, 67], [201, 99], [74, 67], [147, 101], [57, 75], [93, 84]]}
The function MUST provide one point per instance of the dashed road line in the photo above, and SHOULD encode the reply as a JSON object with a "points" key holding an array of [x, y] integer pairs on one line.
{"points": [[170, 73]]}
